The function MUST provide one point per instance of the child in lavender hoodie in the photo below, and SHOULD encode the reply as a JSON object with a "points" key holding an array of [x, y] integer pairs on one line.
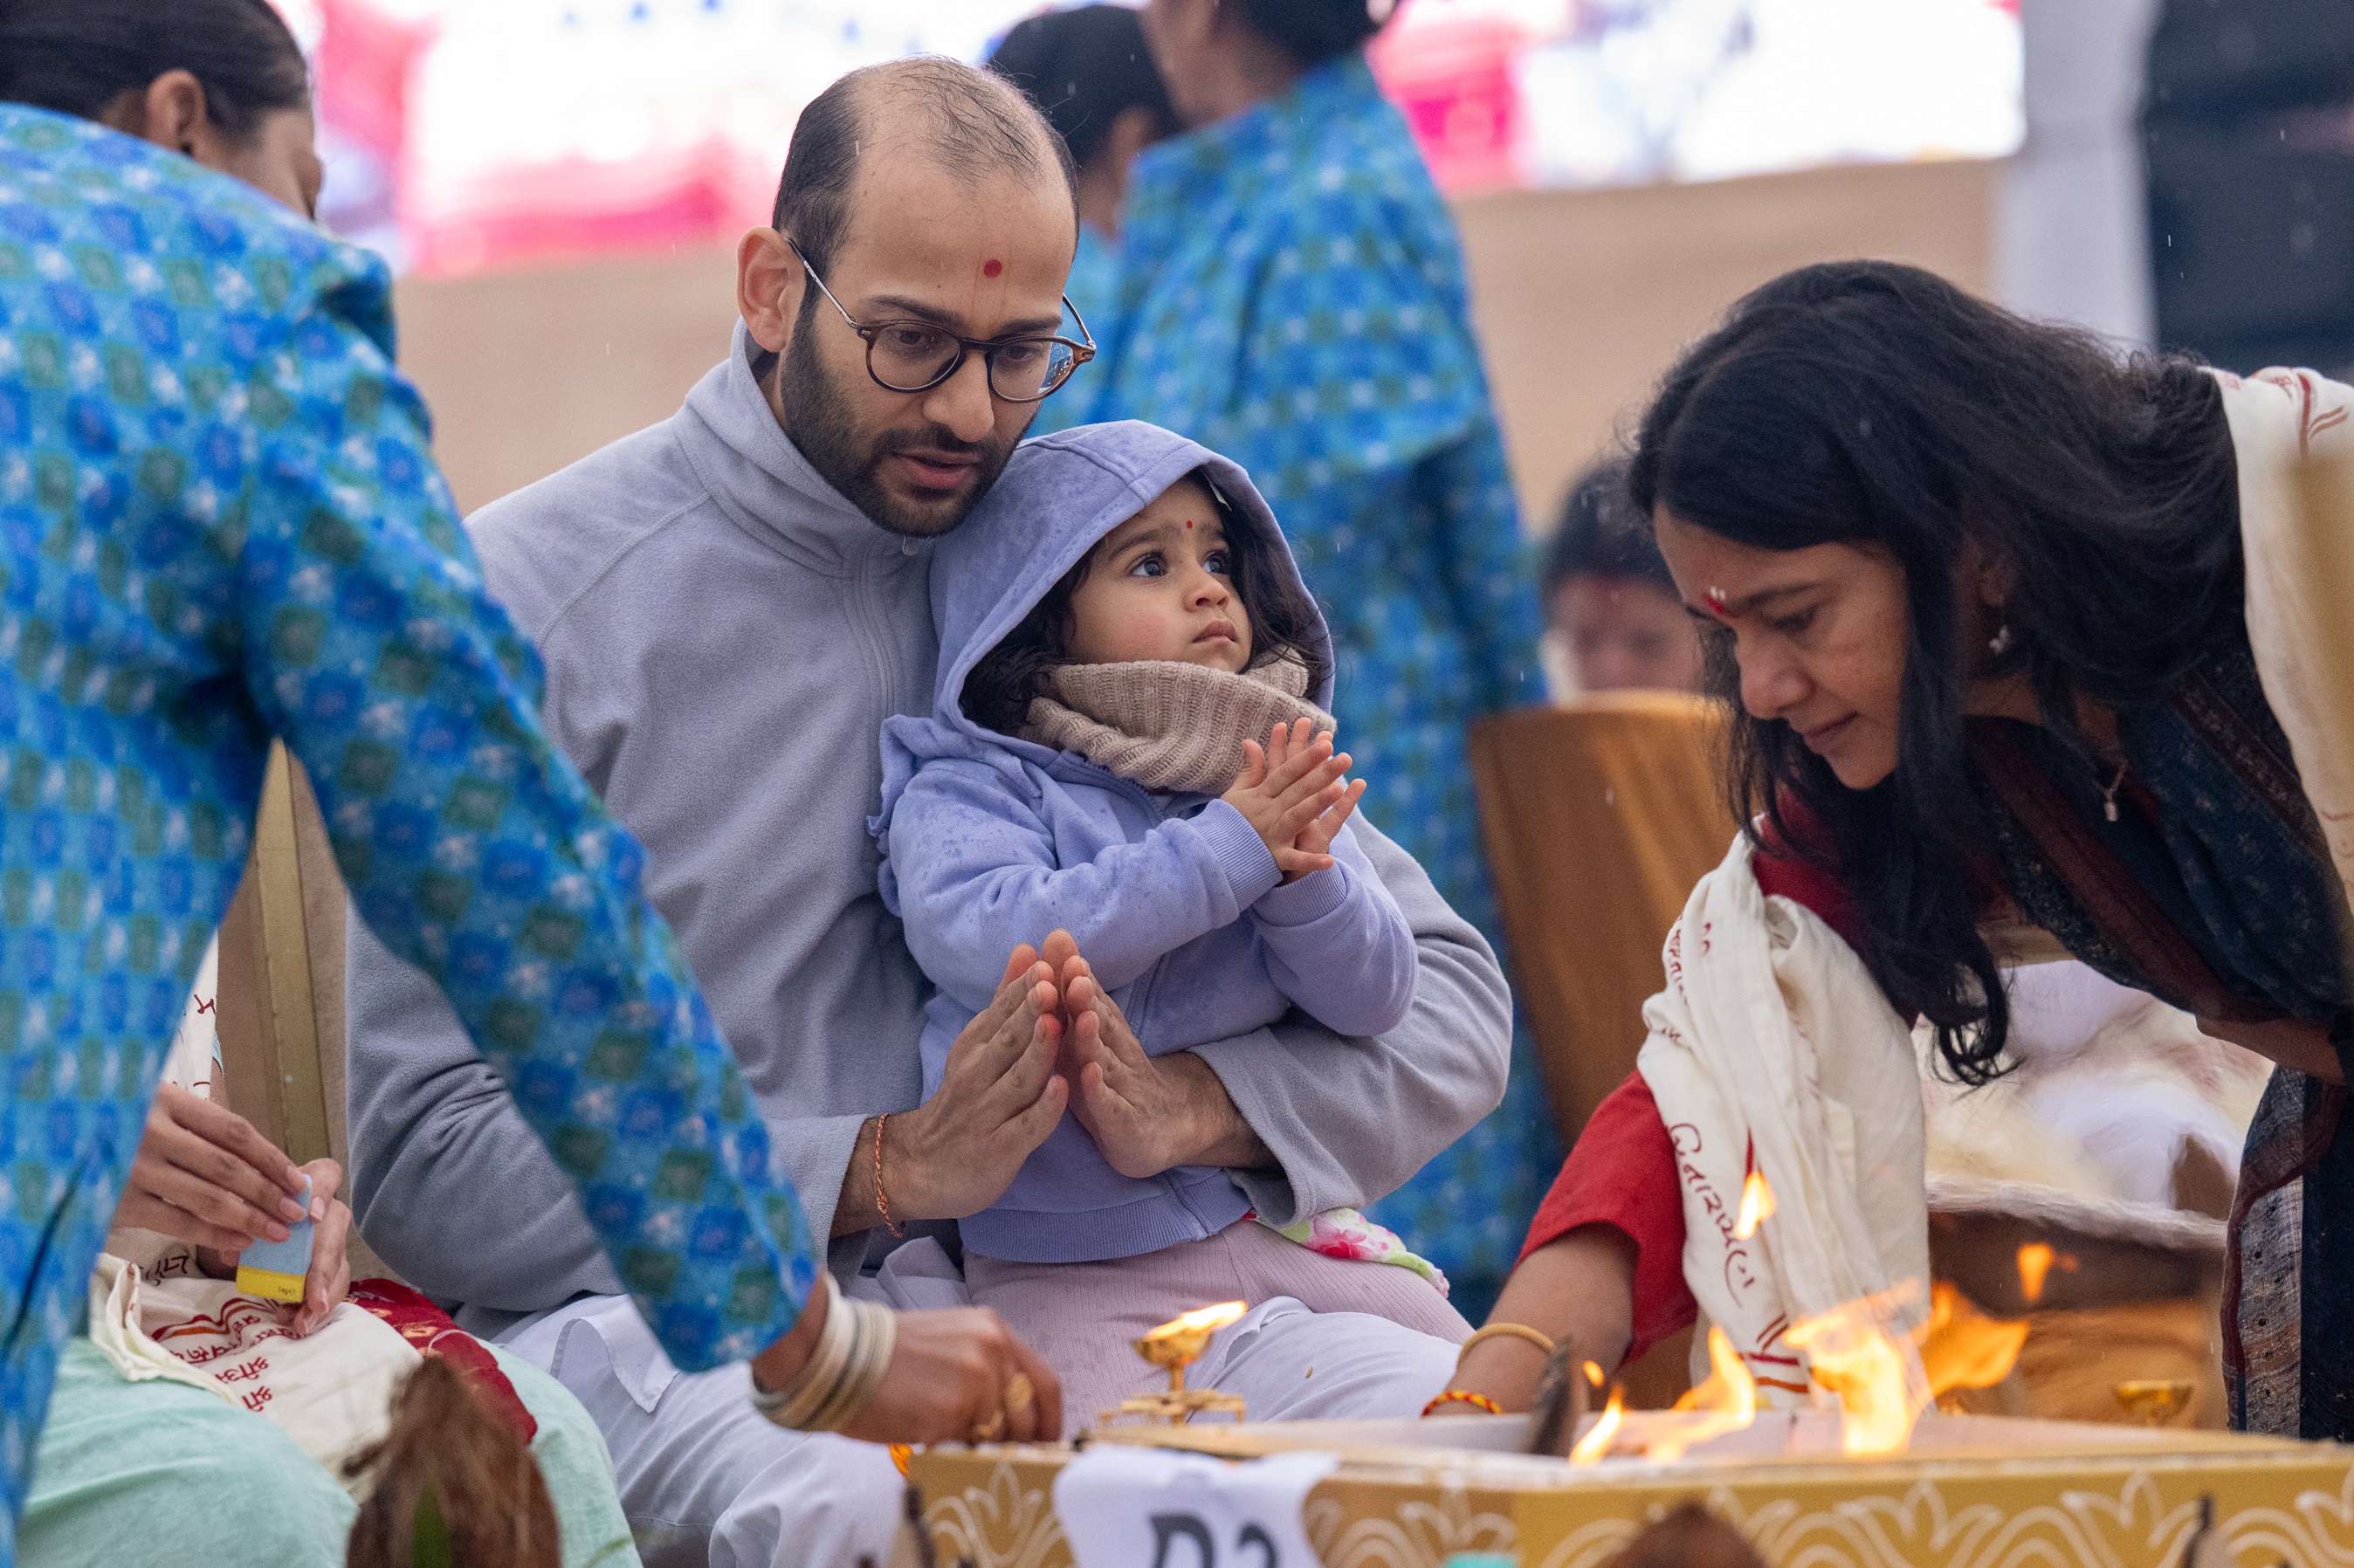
{"points": [[1123, 745]]}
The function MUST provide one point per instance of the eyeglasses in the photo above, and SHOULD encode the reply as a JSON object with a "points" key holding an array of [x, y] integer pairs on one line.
{"points": [[910, 356]]}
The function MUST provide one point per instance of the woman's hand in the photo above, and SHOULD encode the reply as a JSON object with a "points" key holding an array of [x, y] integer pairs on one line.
{"points": [[330, 1277], [952, 1376], [949, 1378], [329, 1280], [203, 1175]]}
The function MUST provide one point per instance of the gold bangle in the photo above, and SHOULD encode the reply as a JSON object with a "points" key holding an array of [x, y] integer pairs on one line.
{"points": [[1509, 1332]]}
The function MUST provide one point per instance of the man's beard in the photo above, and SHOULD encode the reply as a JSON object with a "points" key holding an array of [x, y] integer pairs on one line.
{"points": [[851, 461]]}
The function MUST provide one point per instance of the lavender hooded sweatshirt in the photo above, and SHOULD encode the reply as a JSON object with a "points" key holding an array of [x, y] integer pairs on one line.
{"points": [[1173, 898]]}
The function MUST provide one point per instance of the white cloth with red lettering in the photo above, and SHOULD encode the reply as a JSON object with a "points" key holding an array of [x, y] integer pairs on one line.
{"points": [[1772, 1049], [156, 1315]]}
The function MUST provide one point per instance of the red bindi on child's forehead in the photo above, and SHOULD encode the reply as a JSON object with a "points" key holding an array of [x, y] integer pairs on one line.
{"points": [[1189, 522], [991, 268]]}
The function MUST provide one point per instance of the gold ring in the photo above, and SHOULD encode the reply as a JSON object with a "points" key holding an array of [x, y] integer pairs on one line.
{"points": [[1019, 1393], [990, 1430]]}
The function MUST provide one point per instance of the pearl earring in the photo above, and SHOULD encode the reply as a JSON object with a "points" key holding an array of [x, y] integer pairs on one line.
{"points": [[2002, 642]]}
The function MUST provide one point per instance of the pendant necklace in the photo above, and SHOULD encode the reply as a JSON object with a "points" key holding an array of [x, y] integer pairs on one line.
{"points": [[2109, 794]]}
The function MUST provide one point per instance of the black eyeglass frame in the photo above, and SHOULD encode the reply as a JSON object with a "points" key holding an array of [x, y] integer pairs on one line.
{"points": [[986, 347]]}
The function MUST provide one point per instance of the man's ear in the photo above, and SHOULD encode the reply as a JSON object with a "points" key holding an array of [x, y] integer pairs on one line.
{"points": [[770, 281]]}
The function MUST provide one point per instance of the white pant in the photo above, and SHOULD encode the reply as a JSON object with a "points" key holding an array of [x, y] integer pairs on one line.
{"points": [[705, 1478]]}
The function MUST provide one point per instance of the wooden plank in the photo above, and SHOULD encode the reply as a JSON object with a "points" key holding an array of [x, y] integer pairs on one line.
{"points": [[289, 1088]]}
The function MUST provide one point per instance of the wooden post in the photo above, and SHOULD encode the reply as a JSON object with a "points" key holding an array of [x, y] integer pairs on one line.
{"points": [[269, 1043]]}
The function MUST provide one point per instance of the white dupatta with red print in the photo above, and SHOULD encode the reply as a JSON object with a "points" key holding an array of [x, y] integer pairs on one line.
{"points": [[2280, 418], [1772, 1049]]}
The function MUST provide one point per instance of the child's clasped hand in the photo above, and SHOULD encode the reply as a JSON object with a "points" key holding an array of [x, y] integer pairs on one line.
{"points": [[1292, 791]]}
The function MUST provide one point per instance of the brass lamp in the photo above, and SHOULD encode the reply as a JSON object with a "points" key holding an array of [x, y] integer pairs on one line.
{"points": [[1174, 1346]]}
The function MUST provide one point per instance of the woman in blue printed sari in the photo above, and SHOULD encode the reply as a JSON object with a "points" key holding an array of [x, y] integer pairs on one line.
{"points": [[220, 521], [1293, 295]]}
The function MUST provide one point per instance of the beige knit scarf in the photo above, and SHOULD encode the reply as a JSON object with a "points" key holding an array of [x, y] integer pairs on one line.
{"points": [[1169, 725]]}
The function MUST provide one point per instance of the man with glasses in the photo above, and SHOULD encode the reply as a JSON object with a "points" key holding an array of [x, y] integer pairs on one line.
{"points": [[729, 604]]}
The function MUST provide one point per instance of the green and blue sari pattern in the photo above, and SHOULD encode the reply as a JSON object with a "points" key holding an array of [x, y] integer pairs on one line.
{"points": [[221, 520]]}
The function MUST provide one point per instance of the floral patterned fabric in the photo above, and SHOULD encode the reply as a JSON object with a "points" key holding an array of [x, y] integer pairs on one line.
{"points": [[1347, 1234], [1291, 295], [219, 519]]}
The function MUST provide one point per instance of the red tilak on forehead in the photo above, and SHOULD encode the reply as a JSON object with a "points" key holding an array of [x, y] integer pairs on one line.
{"points": [[1189, 522], [991, 268], [1716, 598]]}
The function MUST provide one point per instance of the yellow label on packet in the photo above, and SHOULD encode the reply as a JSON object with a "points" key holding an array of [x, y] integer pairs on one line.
{"points": [[275, 1270], [268, 1284]]}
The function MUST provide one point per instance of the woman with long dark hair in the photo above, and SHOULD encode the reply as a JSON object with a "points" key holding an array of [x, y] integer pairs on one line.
{"points": [[1977, 594]]}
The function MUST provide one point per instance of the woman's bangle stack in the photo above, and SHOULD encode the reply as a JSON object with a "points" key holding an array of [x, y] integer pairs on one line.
{"points": [[853, 1350]]}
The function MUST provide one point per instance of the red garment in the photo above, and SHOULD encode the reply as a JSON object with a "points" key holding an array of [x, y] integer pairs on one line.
{"points": [[1622, 1169], [429, 1328]]}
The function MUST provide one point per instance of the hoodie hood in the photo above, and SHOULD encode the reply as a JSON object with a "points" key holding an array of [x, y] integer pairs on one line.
{"points": [[1059, 495]]}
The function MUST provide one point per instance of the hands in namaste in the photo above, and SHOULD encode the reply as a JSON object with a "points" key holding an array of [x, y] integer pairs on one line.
{"points": [[1052, 1039]]}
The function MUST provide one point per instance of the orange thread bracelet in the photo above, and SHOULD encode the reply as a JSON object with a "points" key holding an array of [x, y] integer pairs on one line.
{"points": [[1465, 1396], [883, 1199]]}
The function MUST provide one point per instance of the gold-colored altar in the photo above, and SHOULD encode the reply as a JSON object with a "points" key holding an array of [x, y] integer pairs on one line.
{"points": [[1972, 1492]]}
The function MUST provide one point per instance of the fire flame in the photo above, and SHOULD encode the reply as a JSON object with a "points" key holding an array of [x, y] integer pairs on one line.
{"points": [[1201, 1320], [1878, 1379], [1596, 1442], [1593, 1374], [1963, 1348], [2036, 1260], [1725, 1402], [1757, 1206]]}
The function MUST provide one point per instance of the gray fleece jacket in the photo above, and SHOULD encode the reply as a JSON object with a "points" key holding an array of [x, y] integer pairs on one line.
{"points": [[723, 636]]}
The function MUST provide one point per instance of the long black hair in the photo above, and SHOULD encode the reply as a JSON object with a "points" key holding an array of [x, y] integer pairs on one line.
{"points": [[1869, 403], [1085, 69], [79, 57], [1314, 31], [1283, 622]]}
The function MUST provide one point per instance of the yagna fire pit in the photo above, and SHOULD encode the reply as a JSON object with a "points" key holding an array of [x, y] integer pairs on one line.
{"points": [[1968, 1492]]}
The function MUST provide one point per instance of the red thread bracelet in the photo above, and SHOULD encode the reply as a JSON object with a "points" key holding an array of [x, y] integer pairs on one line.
{"points": [[1465, 1396], [883, 1199]]}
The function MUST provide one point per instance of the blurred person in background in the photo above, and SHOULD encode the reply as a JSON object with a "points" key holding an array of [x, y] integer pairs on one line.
{"points": [[1291, 293], [1611, 609], [220, 521], [1089, 72]]}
